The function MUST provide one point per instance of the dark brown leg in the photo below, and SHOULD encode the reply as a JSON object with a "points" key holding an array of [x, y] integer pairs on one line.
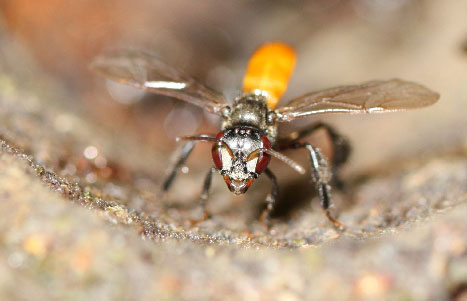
{"points": [[186, 151], [205, 193], [205, 196], [270, 199], [320, 175]]}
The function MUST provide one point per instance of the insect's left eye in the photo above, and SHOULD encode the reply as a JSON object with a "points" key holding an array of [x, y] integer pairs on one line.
{"points": [[263, 159]]}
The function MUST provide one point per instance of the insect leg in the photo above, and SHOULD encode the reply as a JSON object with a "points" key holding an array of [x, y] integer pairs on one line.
{"points": [[320, 175], [186, 151], [340, 145], [205, 193], [270, 199]]}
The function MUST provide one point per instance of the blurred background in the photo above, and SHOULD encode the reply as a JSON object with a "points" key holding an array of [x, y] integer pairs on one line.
{"points": [[338, 42]]}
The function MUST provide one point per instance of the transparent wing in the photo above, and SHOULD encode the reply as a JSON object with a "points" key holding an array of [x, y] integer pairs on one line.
{"points": [[145, 71], [369, 97]]}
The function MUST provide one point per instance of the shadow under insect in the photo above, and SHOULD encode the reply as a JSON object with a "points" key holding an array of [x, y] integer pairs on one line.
{"points": [[293, 196]]}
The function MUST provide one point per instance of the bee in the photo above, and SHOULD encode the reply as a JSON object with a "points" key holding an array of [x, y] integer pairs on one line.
{"points": [[248, 137]]}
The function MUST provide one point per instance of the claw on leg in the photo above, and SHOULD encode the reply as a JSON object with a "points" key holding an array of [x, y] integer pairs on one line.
{"points": [[206, 216], [334, 221]]}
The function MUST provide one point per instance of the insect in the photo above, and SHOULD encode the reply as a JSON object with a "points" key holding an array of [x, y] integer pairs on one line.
{"points": [[248, 138]]}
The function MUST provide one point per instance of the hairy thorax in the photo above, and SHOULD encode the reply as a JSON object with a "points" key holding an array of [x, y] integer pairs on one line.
{"points": [[251, 111]]}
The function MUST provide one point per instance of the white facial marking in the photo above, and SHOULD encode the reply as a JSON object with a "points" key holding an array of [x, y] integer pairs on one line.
{"points": [[226, 159], [251, 165]]}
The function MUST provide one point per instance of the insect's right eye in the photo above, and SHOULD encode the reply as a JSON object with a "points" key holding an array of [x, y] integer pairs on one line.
{"points": [[216, 152]]}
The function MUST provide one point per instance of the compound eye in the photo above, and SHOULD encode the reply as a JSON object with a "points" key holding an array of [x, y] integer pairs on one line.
{"points": [[263, 159], [221, 153], [216, 152]]}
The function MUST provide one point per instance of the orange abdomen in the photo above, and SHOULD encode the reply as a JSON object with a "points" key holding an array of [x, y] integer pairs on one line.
{"points": [[269, 70]]}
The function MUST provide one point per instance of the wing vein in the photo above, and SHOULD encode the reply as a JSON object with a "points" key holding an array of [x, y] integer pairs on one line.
{"points": [[369, 97]]}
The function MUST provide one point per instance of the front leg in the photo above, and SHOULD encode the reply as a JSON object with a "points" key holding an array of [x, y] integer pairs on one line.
{"points": [[204, 197], [205, 194], [186, 151], [270, 199], [321, 175]]}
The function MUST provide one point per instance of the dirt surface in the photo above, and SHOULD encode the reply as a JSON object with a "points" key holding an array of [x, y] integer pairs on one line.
{"points": [[84, 216]]}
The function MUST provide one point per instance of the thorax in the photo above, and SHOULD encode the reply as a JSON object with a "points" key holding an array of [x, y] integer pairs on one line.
{"points": [[252, 111]]}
